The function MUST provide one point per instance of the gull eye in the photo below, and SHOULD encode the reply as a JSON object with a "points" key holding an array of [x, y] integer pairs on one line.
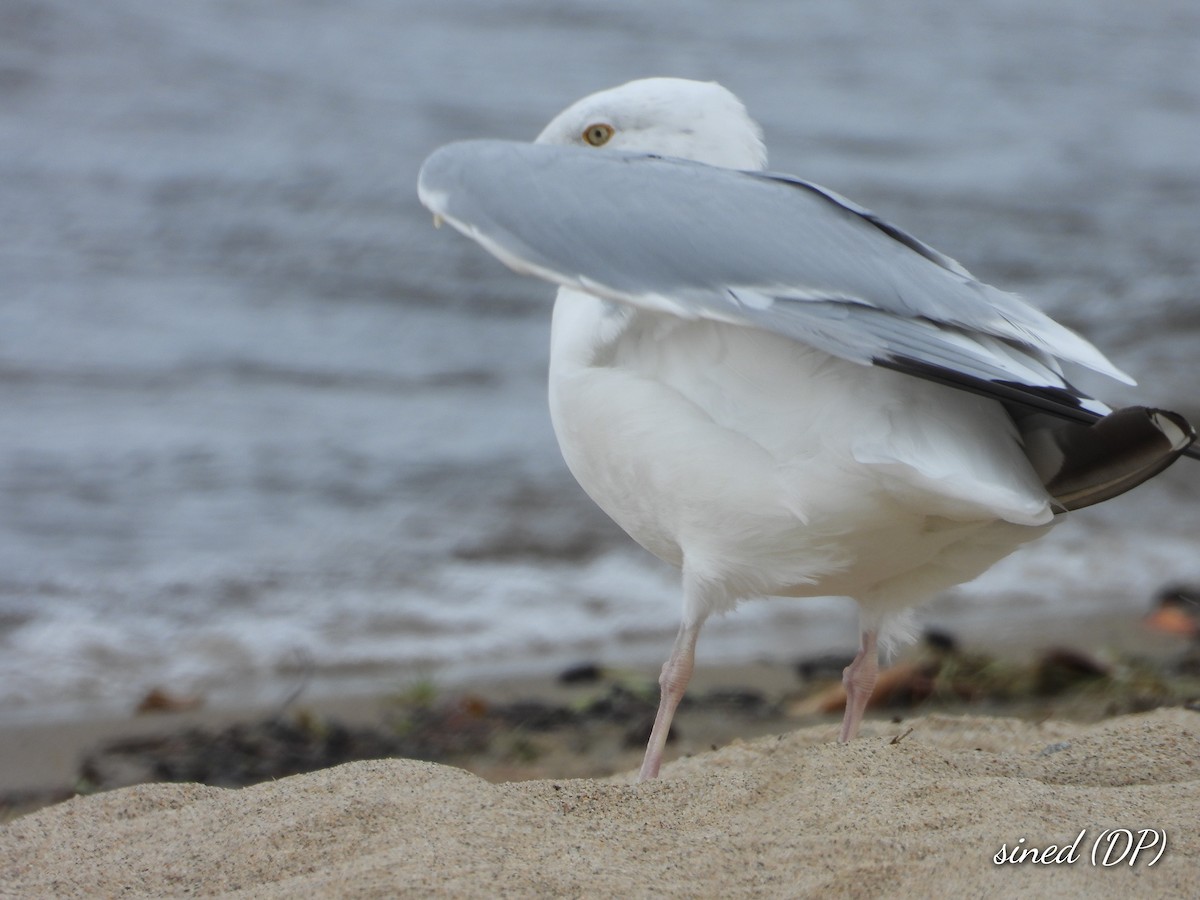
{"points": [[597, 135]]}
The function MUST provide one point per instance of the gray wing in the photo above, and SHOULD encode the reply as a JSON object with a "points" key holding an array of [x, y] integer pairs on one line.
{"points": [[762, 250]]}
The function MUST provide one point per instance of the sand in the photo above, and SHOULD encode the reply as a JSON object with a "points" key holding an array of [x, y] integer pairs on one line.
{"points": [[783, 816]]}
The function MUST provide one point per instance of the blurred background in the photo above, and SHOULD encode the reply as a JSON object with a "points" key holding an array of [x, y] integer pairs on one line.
{"points": [[259, 419]]}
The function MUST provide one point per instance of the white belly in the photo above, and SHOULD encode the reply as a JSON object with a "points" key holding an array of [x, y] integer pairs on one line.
{"points": [[766, 467]]}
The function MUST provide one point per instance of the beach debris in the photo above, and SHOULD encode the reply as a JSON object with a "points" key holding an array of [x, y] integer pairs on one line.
{"points": [[945, 674], [517, 739], [898, 738], [241, 754], [1176, 611], [583, 673], [1059, 669], [825, 666], [160, 700], [940, 641]]}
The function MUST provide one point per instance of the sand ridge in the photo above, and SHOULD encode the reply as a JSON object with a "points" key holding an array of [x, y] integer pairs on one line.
{"points": [[792, 815]]}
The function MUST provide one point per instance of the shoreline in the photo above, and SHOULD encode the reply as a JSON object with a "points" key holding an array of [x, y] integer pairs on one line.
{"points": [[40, 760]]}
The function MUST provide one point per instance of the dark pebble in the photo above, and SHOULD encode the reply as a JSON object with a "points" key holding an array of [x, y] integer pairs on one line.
{"points": [[830, 665], [584, 673]]}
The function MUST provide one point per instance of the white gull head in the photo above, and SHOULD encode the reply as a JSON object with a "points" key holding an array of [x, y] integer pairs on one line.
{"points": [[695, 120]]}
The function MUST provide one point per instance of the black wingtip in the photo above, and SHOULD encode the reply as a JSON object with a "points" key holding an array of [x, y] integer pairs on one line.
{"points": [[1061, 403], [1116, 454]]}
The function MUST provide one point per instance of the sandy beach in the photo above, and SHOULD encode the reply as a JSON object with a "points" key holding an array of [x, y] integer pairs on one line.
{"points": [[899, 811], [759, 799]]}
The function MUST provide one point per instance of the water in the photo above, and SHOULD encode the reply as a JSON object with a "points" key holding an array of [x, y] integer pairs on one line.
{"points": [[257, 418]]}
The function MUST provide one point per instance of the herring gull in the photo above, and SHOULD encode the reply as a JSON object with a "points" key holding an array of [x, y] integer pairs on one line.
{"points": [[772, 388]]}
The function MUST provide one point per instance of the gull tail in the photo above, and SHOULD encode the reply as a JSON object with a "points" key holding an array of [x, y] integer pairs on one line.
{"points": [[1085, 464]]}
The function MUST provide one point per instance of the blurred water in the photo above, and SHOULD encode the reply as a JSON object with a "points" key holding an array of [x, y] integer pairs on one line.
{"points": [[257, 416]]}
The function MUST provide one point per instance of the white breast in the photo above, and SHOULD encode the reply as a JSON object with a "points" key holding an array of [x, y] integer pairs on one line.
{"points": [[767, 467]]}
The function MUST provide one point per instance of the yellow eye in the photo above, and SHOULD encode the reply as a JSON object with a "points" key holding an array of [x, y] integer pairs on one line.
{"points": [[597, 135]]}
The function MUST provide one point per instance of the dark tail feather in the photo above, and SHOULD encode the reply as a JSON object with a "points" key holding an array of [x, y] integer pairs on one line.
{"points": [[1085, 464]]}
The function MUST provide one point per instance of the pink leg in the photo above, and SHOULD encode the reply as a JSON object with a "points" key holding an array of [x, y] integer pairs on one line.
{"points": [[672, 683], [859, 679]]}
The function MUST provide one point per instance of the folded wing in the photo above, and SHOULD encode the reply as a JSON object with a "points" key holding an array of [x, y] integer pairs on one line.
{"points": [[776, 253]]}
